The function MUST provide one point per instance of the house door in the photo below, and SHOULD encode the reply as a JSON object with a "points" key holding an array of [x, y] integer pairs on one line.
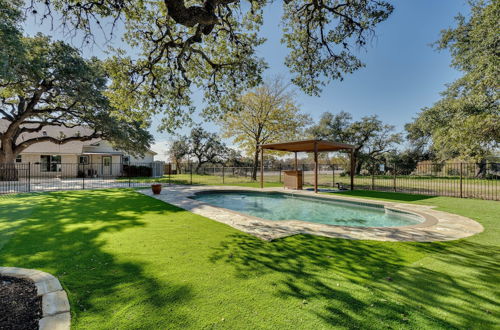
{"points": [[106, 165]]}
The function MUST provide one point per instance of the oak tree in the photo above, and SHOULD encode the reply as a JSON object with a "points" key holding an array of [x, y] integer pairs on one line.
{"points": [[370, 136], [464, 123], [210, 45], [48, 83]]}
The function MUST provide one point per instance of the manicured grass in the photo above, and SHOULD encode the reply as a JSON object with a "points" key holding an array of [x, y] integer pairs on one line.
{"points": [[129, 261], [200, 179]]}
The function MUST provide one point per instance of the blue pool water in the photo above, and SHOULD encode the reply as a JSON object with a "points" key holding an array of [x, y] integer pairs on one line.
{"points": [[279, 206]]}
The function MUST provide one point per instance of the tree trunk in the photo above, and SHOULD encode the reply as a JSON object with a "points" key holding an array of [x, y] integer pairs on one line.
{"points": [[481, 169], [359, 164], [198, 166], [255, 163], [8, 169]]}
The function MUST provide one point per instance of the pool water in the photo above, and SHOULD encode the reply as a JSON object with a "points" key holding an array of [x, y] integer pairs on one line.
{"points": [[280, 206]]}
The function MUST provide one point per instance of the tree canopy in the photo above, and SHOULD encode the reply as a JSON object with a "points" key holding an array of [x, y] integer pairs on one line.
{"points": [[48, 83], [210, 45], [370, 135], [465, 122], [266, 114], [204, 146]]}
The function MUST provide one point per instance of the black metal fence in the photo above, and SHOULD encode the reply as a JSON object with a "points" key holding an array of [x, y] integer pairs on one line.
{"points": [[466, 180], [31, 177]]}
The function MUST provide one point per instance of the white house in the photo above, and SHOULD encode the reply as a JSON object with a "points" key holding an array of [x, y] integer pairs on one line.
{"points": [[94, 158]]}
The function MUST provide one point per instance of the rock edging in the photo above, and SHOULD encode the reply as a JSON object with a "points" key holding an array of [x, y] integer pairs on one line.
{"points": [[55, 304]]}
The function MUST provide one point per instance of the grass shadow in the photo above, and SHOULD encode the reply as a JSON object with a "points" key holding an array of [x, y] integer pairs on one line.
{"points": [[368, 284], [67, 233]]}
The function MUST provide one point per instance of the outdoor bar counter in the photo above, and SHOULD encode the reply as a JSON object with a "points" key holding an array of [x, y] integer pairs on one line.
{"points": [[292, 179]]}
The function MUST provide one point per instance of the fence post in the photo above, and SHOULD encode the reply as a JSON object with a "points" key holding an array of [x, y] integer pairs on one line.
{"points": [[170, 173], [129, 170], [222, 174], [394, 177], [83, 176], [461, 181], [373, 176], [29, 177]]}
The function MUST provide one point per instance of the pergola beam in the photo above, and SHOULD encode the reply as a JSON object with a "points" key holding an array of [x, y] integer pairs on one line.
{"points": [[315, 167]]}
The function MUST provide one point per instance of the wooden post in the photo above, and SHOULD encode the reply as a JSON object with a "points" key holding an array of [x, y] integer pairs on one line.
{"points": [[315, 167], [261, 167], [296, 164], [333, 175], [353, 168]]}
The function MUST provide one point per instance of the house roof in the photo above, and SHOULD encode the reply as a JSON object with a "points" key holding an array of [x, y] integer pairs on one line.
{"points": [[308, 146], [73, 147]]}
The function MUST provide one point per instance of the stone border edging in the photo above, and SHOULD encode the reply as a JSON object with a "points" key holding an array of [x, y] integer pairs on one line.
{"points": [[55, 304], [438, 225]]}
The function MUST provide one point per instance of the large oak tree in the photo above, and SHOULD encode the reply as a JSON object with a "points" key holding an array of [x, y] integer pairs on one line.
{"points": [[47, 83], [210, 45], [465, 122]]}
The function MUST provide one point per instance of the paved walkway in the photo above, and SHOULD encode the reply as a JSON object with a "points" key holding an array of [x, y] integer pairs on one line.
{"points": [[438, 225]]}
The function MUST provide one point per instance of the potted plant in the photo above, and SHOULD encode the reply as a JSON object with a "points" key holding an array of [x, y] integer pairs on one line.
{"points": [[156, 187]]}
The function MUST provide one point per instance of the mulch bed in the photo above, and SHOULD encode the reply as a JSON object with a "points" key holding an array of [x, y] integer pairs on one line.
{"points": [[20, 307]]}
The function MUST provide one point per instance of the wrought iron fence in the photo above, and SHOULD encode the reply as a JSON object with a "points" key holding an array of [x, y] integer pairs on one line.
{"points": [[32, 177], [467, 180]]}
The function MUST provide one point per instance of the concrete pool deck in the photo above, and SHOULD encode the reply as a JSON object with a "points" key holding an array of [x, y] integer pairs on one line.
{"points": [[438, 225]]}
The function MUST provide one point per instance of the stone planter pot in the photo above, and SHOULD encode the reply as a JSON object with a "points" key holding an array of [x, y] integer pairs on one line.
{"points": [[156, 188]]}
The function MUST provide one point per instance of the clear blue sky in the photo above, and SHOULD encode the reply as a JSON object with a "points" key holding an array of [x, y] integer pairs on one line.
{"points": [[402, 75]]}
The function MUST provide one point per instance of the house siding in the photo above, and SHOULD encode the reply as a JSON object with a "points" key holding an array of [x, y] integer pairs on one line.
{"points": [[70, 167]]}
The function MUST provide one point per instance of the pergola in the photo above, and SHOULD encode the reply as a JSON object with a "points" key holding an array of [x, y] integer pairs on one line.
{"points": [[314, 146]]}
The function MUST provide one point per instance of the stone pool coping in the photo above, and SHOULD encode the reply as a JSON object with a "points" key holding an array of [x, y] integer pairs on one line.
{"points": [[55, 304], [437, 226]]}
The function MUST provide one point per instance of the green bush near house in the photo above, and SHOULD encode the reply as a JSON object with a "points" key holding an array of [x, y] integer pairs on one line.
{"points": [[128, 261]]}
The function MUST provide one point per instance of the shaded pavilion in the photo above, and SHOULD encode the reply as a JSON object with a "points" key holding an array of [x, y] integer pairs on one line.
{"points": [[314, 146]]}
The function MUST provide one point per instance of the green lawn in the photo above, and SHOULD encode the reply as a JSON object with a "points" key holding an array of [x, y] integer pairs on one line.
{"points": [[129, 261]]}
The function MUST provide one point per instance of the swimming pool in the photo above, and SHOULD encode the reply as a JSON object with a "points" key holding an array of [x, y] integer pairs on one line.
{"points": [[283, 206]]}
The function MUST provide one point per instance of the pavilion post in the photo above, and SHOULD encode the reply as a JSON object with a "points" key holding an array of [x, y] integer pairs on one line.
{"points": [[296, 163], [261, 167], [353, 168], [315, 167]]}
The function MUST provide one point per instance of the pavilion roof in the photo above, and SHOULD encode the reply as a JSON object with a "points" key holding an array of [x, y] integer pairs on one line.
{"points": [[308, 146]]}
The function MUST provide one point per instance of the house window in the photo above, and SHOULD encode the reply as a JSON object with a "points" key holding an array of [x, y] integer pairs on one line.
{"points": [[50, 163], [19, 159], [83, 160]]}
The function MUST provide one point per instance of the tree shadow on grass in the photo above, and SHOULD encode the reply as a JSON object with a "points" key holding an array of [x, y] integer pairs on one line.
{"points": [[367, 284], [61, 233]]}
